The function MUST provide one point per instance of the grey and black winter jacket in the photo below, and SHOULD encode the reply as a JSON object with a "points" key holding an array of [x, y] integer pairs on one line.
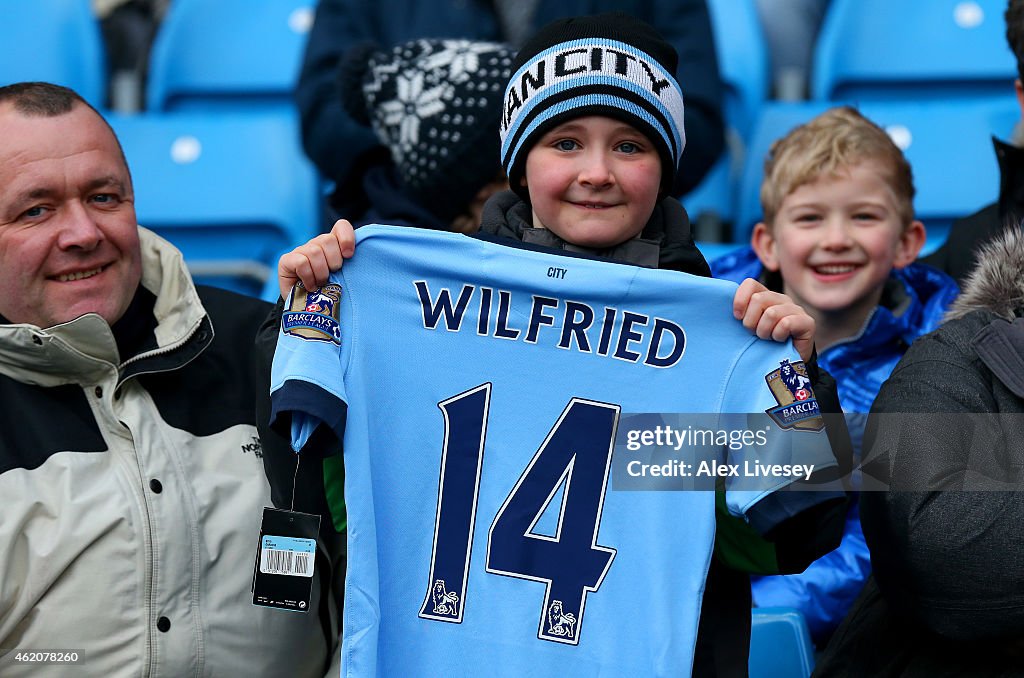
{"points": [[132, 489]]}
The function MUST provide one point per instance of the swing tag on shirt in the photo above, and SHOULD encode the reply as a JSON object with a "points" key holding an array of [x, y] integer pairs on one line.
{"points": [[283, 574]]}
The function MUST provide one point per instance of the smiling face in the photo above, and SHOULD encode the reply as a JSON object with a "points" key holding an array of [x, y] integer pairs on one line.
{"points": [[593, 181], [836, 239], [69, 242]]}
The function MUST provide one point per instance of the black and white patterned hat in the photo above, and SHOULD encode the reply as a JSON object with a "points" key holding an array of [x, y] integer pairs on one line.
{"points": [[434, 104]]}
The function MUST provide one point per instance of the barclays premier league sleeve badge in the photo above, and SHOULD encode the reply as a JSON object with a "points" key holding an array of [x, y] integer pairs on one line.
{"points": [[313, 314], [798, 408]]}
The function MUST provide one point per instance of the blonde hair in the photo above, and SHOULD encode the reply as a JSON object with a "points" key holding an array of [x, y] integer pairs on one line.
{"points": [[833, 141]]}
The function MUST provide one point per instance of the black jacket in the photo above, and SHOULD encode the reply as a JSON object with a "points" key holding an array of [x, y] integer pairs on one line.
{"points": [[131, 489], [959, 254], [947, 558]]}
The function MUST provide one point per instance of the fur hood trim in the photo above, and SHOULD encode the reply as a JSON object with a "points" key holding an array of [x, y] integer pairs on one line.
{"points": [[997, 282]]}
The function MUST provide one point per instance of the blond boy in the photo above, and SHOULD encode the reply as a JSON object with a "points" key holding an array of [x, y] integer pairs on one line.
{"points": [[839, 237]]}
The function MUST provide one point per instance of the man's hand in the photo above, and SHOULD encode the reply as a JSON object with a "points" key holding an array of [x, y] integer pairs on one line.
{"points": [[772, 315], [313, 262]]}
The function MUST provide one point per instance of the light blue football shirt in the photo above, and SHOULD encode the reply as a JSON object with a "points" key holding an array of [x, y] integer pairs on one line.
{"points": [[477, 388]]}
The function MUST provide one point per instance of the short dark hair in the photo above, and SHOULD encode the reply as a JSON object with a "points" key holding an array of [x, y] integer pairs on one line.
{"points": [[1014, 17], [41, 99], [47, 100]]}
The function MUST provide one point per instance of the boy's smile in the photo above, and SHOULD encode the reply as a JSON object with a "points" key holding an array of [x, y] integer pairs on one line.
{"points": [[593, 181], [835, 241]]}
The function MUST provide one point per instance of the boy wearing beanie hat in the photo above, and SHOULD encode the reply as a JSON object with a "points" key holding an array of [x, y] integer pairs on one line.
{"points": [[585, 83], [591, 138], [592, 134]]}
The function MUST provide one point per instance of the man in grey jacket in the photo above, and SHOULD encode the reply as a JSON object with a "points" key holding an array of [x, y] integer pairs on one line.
{"points": [[130, 474]]}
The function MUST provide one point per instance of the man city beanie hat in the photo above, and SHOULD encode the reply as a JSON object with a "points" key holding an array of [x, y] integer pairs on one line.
{"points": [[433, 103], [608, 64]]}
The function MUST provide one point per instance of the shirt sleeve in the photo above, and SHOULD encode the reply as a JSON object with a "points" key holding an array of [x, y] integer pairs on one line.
{"points": [[307, 390], [769, 395]]}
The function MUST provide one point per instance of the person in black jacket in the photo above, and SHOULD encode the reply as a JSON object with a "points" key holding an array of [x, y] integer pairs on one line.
{"points": [[945, 437], [434, 104], [959, 254]]}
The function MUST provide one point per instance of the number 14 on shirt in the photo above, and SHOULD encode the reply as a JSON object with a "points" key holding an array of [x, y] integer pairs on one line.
{"points": [[575, 454]]}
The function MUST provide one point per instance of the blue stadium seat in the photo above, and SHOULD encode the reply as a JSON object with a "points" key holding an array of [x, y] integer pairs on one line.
{"points": [[780, 644], [743, 63], [230, 190], [881, 49], [714, 250], [55, 41], [742, 60], [947, 143], [212, 54]]}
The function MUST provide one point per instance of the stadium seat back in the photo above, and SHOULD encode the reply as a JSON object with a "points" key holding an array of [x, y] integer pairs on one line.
{"points": [[742, 60], [743, 65], [55, 41], [780, 644], [879, 49], [212, 54], [230, 191]]}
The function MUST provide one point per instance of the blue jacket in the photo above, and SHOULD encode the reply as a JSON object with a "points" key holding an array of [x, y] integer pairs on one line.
{"points": [[913, 303], [342, 148]]}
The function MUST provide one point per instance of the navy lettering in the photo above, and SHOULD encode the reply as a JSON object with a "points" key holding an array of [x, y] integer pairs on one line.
{"points": [[679, 344], [573, 321], [606, 331], [578, 328], [537, 317], [432, 311], [626, 335], [556, 273], [502, 330], [484, 320]]}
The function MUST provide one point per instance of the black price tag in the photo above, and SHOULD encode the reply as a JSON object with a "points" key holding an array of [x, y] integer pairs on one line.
{"points": [[283, 575]]}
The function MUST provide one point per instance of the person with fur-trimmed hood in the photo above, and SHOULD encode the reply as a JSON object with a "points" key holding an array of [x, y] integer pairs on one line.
{"points": [[946, 597]]}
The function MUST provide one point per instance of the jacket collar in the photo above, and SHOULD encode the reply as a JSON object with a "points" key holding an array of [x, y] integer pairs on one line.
{"points": [[84, 349], [1011, 180], [666, 241], [996, 285], [913, 302], [1000, 346], [997, 282]]}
